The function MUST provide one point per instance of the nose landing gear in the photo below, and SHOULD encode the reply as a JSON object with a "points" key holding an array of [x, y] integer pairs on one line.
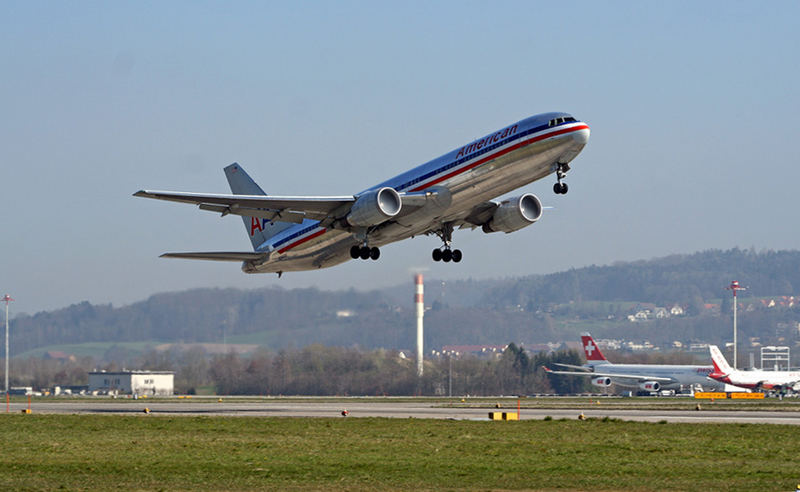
{"points": [[561, 172]]}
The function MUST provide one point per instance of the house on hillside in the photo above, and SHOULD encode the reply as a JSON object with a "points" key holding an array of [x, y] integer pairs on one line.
{"points": [[676, 310], [58, 355], [474, 349], [661, 313]]}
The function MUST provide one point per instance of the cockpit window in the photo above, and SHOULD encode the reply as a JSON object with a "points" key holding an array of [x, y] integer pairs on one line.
{"points": [[561, 120]]}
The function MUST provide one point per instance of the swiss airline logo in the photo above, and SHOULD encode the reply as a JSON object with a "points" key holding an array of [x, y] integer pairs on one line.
{"points": [[591, 349]]}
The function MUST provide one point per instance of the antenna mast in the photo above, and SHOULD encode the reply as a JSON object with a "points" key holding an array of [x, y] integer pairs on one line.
{"points": [[734, 287], [7, 298]]}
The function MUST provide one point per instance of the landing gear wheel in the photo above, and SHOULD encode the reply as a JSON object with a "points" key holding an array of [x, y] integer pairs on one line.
{"points": [[364, 253], [444, 253], [447, 255], [374, 253], [355, 252]]}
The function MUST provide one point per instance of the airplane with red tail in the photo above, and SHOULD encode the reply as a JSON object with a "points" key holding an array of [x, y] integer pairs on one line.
{"points": [[755, 379], [643, 377]]}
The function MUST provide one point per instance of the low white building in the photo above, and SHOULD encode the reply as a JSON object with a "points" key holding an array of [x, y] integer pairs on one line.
{"points": [[150, 383]]}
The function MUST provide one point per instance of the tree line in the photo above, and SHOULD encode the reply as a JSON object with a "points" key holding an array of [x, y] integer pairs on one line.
{"points": [[326, 371]]}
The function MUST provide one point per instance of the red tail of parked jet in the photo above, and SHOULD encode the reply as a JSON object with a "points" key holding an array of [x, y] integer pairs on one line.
{"points": [[592, 351], [756, 379]]}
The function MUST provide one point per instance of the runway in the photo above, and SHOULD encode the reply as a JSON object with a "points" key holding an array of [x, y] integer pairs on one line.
{"points": [[388, 409]]}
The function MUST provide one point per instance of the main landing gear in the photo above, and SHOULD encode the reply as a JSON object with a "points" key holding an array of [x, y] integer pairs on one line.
{"points": [[365, 252], [444, 253], [561, 172]]}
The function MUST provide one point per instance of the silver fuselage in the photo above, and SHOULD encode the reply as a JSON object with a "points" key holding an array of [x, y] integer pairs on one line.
{"points": [[681, 375], [472, 176]]}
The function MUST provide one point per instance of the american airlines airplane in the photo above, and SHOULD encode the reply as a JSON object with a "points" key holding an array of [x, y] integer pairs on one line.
{"points": [[756, 379], [456, 190], [644, 377]]}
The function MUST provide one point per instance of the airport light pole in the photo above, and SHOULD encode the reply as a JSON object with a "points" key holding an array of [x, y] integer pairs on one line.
{"points": [[734, 287], [7, 298]]}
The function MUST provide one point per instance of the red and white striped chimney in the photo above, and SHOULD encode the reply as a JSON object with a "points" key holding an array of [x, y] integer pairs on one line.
{"points": [[419, 300]]}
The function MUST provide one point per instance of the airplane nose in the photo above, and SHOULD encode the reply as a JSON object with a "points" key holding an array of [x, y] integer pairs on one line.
{"points": [[581, 136]]}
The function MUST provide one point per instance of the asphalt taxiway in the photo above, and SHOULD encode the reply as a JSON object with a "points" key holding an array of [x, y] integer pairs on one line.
{"points": [[388, 409]]}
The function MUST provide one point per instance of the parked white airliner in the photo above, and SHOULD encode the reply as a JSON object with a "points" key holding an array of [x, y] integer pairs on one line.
{"points": [[644, 377], [756, 379], [456, 190]]}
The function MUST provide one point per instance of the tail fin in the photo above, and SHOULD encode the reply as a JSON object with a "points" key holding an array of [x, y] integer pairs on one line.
{"points": [[258, 229], [592, 351], [721, 365]]}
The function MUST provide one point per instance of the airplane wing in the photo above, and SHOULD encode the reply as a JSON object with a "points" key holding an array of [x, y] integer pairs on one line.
{"points": [[637, 377], [479, 215], [580, 368], [218, 255], [279, 208]]}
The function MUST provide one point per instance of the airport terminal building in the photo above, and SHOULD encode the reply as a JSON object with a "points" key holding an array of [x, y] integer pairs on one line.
{"points": [[150, 383]]}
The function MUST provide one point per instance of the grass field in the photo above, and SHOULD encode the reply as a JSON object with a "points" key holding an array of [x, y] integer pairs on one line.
{"points": [[158, 452]]}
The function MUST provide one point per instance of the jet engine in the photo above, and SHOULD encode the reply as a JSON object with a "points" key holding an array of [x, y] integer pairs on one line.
{"points": [[603, 382], [514, 213], [650, 386], [375, 207]]}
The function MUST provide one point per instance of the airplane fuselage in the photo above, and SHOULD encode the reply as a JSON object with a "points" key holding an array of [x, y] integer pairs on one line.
{"points": [[682, 375], [481, 170], [759, 379]]}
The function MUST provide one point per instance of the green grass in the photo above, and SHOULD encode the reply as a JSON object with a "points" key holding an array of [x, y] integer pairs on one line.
{"points": [[212, 453]]}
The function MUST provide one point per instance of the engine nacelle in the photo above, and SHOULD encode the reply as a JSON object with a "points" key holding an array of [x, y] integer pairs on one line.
{"points": [[375, 207], [604, 382], [650, 386], [514, 214]]}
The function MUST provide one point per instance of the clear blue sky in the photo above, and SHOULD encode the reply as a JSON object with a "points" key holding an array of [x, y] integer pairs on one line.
{"points": [[691, 104]]}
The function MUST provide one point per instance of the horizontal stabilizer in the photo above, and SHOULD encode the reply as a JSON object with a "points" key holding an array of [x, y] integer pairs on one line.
{"points": [[219, 256]]}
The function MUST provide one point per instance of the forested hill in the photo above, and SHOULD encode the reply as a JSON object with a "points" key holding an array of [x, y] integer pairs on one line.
{"points": [[198, 315], [463, 312], [684, 279]]}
